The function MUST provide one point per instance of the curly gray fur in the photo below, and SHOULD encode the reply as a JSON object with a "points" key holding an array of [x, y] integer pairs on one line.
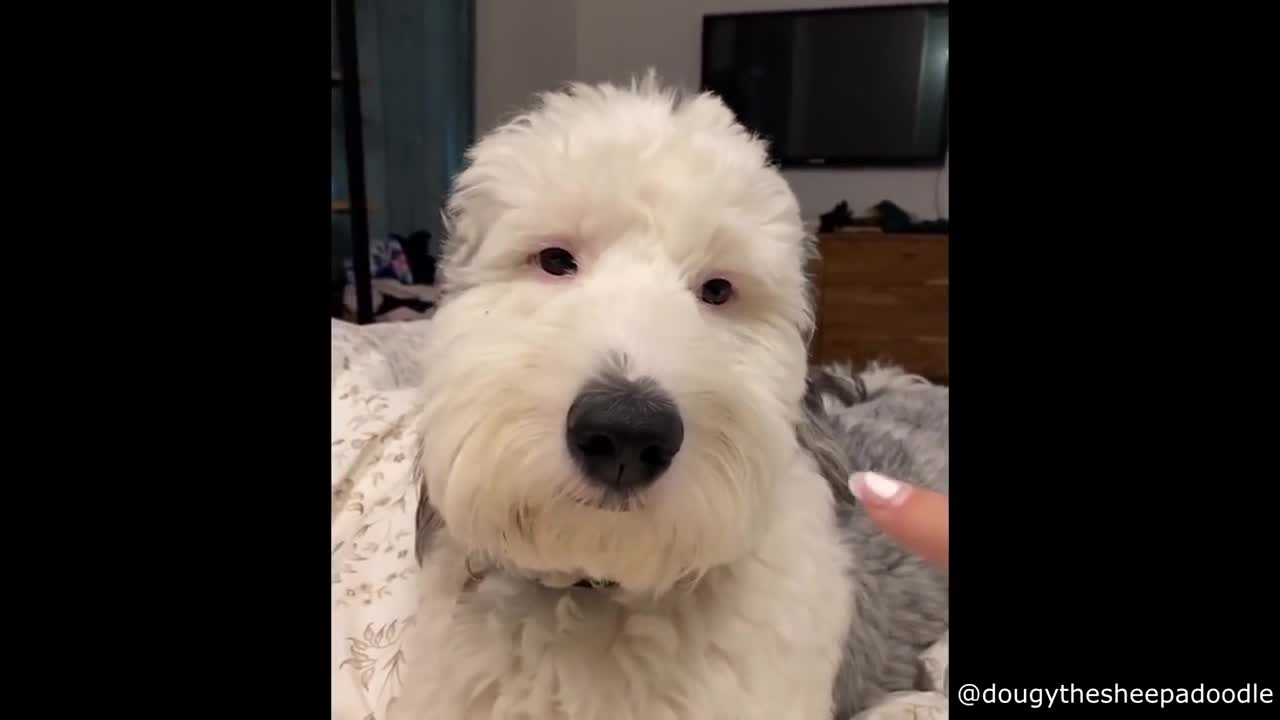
{"points": [[886, 421]]}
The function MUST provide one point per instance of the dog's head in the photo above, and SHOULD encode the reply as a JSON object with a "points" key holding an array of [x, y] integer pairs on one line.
{"points": [[616, 369]]}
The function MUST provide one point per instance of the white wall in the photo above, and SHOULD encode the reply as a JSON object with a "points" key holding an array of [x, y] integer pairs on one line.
{"points": [[524, 47]]}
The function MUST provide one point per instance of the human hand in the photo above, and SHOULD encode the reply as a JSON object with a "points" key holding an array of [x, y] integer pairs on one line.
{"points": [[916, 518]]}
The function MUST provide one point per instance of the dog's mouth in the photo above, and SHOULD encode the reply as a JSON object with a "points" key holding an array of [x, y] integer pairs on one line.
{"points": [[608, 499], [552, 580]]}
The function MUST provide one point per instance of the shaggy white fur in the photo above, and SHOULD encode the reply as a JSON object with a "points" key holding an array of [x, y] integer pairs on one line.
{"points": [[760, 637], [733, 594]]}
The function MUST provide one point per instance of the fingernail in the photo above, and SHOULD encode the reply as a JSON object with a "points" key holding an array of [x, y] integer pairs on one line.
{"points": [[876, 488]]}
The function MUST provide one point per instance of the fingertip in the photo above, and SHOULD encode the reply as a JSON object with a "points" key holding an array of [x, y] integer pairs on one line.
{"points": [[876, 489]]}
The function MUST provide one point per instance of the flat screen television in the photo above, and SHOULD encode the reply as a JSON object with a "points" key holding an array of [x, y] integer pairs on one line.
{"points": [[855, 87]]}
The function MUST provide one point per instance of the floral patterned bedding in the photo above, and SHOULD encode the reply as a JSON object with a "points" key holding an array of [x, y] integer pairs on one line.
{"points": [[374, 371]]}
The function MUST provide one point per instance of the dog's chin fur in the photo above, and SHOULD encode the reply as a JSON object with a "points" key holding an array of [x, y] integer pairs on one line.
{"points": [[735, 589]]}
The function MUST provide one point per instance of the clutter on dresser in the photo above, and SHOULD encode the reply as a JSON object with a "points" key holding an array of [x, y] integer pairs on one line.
{"points": [[402, 273]]}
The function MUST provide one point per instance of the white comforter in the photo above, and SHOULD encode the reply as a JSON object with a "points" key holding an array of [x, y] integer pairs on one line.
{"points": [[374, 371]]}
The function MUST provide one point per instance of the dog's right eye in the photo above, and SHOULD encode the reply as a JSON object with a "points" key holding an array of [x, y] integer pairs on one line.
{"points": [[557, 261]]}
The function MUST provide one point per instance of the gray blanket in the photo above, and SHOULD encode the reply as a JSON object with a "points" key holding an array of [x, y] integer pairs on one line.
{"points": [[887, 421]]}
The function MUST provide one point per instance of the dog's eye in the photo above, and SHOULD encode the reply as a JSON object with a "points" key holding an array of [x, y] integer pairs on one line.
{"points": [[557, 261], [717, 291]]}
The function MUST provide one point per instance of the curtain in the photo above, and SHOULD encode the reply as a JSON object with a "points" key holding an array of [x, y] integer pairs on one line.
{"points": [[417, 85]]}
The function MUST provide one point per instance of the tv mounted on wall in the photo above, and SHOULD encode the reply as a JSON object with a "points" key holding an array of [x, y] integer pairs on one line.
{"points": [[847, 87]]}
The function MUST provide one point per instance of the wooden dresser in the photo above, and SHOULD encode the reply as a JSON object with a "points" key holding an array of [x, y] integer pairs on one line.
{"points": [[883, 297]]}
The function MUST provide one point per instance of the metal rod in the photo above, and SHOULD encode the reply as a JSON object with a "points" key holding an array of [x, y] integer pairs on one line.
{"points": [[348, 58]]}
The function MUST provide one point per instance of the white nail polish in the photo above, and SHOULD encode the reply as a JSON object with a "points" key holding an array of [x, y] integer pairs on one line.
{"points": [[881, 485], [883, 490]]}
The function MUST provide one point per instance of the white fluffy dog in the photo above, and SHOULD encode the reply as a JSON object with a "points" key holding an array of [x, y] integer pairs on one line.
{"points": [[624, 511]]}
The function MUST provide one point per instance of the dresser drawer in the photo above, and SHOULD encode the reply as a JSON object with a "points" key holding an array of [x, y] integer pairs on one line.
{"points": [[921, 355], [878, 260], [885, 311], [883, 298]]}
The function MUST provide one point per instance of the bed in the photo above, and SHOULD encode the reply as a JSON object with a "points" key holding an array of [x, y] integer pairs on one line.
{"points": [[373, 377]]}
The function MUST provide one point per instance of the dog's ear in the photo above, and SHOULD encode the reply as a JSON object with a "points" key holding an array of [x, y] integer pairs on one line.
{"points": [[468, 215], [428, 522], [812, 257], [461, 242]]}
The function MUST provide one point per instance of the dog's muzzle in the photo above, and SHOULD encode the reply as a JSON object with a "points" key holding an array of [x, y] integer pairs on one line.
{"points": [[624, 433]]}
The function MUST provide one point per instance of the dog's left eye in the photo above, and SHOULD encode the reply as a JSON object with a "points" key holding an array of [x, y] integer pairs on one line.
{"points": [[557, 261], [717, 291]]}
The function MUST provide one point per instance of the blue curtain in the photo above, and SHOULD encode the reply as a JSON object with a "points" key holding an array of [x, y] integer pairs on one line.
{"points": [[420, 121]]}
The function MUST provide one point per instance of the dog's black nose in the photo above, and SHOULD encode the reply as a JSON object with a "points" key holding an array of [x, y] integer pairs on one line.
{"points": [[624, 433]]}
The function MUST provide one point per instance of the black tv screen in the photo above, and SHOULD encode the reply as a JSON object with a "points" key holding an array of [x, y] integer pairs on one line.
{"points": [[858, 87]]}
